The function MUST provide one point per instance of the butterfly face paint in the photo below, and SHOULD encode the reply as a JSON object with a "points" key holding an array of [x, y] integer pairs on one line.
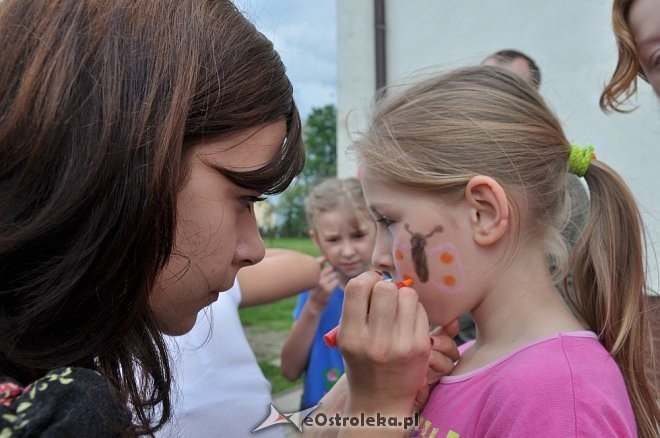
{"points": [[437, 265], [418, 251], [446, 269]]}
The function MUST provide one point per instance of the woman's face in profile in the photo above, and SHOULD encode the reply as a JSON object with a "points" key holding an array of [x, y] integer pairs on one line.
{"points": [[644, 22], [216, 232]]}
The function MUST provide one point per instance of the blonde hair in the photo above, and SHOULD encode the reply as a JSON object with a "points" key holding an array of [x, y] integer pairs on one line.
{"points": [[336, 194], [623, 83], [440, 133]]}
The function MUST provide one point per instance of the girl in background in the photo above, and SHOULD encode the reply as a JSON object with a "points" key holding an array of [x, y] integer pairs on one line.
{"points": [[135, 136], [637, 31], [466, 174], [342, 229]]}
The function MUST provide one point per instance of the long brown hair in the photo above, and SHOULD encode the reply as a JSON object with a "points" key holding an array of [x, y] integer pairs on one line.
{"points": [[100, 103], [438, 134], [623, 84]]}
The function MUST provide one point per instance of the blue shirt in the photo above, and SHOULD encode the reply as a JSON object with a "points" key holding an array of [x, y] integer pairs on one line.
{"points": [[325, 364]]}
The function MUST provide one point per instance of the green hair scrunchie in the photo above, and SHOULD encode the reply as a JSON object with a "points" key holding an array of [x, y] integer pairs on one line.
{"points": [[579, 159]]}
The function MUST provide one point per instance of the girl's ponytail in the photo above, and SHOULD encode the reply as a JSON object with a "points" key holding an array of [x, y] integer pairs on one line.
{"points": [[608, 264]]}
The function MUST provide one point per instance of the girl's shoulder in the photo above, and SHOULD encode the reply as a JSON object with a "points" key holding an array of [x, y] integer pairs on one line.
{"points": [[573, 353], [65, 402]]}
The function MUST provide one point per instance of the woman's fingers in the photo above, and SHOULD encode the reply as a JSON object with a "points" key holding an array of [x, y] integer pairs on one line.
{"points": [[452, 328], [406, 314], [444, 353], [357, 293], [445, 344], [382, 315], [384, 337]]}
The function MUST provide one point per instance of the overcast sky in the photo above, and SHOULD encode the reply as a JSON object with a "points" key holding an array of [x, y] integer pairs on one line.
{"points": [[304, 34]]}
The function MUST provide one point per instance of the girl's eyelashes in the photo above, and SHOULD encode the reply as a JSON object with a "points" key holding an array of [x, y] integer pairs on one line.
{"points": [[384, 221]]}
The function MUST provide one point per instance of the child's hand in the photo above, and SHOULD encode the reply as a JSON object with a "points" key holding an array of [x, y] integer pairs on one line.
{"points": [[384, 338], [320, 295], [444, 353]]}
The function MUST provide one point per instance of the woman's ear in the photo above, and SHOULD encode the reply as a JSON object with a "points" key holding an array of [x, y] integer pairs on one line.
{"points": [[489, 209]]}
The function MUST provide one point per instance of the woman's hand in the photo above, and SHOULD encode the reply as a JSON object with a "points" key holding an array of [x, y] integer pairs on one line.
{"points": [[384, 338], [444, 354]]}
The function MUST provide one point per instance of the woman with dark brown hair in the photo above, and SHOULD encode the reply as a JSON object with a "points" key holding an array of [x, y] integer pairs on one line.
{"points": [[135, 136]]}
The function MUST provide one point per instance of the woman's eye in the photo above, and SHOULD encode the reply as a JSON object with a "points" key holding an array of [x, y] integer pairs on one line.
{"points": [[248, 201]]}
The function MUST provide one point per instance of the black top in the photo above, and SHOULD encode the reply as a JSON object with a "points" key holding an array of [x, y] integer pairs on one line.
{"points": [[66, 402]]}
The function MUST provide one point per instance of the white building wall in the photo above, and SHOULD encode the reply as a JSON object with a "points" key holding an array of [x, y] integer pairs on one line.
{"points": [[571, 41], [356, 78]]}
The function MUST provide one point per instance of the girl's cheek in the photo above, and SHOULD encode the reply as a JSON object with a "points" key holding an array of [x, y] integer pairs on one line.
{"points": [[446, 268], [403, 262], [441, 267]]}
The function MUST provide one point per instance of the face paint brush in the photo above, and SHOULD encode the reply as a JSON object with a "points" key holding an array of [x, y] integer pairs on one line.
{"points": [[330, 338]]}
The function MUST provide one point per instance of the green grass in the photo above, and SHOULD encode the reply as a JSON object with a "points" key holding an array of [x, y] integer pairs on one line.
{"points": [[277, 381], [276, 317], [302, 244], [270, 317]]}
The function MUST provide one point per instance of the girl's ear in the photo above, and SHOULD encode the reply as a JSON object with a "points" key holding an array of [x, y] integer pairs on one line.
{"points": [[489, 209], [315, 239]]}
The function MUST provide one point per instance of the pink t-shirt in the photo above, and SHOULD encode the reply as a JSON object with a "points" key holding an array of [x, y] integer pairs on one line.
{"points": [[563, 386]]}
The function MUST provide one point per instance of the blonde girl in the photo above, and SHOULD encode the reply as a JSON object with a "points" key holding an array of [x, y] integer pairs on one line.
{"points": [[342, 229], [465, 174]]}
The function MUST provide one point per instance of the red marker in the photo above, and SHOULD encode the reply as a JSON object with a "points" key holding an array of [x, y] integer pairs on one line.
{"points": [[330, 338]]}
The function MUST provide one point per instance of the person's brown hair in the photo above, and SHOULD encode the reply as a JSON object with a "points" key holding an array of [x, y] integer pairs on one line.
{"points": [[100, 103], [438, 134], [335, 194], [623, 84]]}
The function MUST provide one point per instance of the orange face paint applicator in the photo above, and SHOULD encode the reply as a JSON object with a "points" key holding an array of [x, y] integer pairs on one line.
{"points": [[330, 338]]}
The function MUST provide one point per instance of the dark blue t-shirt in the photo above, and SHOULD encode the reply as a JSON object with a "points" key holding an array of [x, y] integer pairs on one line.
{"points": [[325, 365]]}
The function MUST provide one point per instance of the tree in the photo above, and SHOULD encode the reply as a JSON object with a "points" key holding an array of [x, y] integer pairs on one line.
{"points": [[320, 136]]}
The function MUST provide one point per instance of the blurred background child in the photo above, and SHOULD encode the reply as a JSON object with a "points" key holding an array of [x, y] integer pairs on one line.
{"points": [[341, 227]]}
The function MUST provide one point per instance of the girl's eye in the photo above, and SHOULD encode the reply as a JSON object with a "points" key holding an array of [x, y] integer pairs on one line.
{"points": [[384, 221]]}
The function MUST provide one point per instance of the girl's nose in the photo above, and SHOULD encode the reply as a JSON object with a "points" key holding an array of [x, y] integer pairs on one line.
{"points": [[381, 258], [347, 249]]}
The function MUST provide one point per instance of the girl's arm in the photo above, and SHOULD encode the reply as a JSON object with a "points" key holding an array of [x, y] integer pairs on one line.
{"points": [[281, 274], [296, 349]]}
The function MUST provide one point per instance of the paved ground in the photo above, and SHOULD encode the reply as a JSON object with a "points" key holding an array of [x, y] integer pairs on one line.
{"points": [[268, 345]]}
